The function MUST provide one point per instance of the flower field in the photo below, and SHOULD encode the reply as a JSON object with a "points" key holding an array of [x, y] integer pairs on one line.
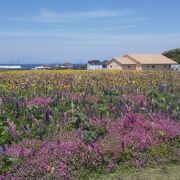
{"points": [[70, 124]]}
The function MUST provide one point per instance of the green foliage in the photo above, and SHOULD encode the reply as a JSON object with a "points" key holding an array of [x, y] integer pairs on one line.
{"points": [[4, 133], [165, 172], [90, 136], [94, 133], [161, 151], [126, 155], [5, 163], [78, 119], [112, 92], [90, 107], [102, 110], [173, 54], [163, 100]]}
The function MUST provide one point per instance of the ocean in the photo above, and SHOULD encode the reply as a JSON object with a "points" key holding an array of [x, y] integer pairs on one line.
{"points": [[28, 66]]}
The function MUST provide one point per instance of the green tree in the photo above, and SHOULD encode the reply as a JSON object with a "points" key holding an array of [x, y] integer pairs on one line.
{"points": [[173, 54]]}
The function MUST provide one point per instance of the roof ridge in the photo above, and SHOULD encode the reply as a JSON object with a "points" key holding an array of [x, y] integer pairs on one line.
{"points": [[150, 58]]}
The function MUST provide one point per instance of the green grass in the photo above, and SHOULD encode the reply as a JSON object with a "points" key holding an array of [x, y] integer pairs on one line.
{"points": [[171, 172]]}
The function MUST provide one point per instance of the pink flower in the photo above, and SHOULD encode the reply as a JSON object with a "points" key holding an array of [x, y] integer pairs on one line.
{"points": [[76, 97], [138, 163], [22, 149], [139, 99], [39, 101], [92, 99]]}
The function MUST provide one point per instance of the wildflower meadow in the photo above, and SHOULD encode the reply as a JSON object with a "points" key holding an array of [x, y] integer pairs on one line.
{"points": [[70, 124]]}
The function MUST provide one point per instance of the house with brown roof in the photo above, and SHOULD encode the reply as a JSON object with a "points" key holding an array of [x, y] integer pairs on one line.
{"points": [[141, 62]]}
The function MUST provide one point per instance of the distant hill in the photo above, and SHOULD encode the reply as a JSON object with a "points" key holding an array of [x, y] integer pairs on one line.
{"points": [[173, 54]]}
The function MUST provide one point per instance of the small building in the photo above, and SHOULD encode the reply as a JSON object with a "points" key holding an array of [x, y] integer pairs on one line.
{"points": [[97, 65], [68, 65], [141, 62], [41, 68], [175, 67], [104, 64], [94, 65]]}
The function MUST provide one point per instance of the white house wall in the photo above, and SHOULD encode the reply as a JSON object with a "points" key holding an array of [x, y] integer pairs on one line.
{"points": [[114, 66], [94, 67], [175, 67]]}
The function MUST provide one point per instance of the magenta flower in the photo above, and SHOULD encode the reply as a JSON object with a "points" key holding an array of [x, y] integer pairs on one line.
{"points": [[22, 149], [139, 99], [39, 101]]}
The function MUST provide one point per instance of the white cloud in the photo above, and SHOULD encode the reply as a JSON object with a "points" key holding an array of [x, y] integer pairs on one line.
{"points": [[51, 16], [82, 15]]}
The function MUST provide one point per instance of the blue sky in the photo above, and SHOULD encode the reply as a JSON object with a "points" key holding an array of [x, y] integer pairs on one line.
{"points": [[56, 31]]}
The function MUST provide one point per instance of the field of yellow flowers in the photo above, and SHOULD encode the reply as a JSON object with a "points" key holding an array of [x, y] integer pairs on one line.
{"points": [[70, 124]]}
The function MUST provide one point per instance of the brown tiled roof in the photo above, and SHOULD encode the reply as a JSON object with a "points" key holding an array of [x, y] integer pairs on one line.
{"points": [[150, 59], [124, 60]]}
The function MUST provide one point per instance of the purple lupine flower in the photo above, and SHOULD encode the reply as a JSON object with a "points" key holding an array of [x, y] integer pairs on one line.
{"points": [[12, 129], [1, 101], [96, 148], [122, 145], [1, 150], [48, 113], [2, 177], [17, 106], [111, 167], [138, 163], [62, 114], [122, 107]]}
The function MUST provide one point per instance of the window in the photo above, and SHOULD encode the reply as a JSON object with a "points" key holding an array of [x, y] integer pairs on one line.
{"points": [[110, 66], [164, 66], [147, 66], [153, 66], [169, 65], [129, 66]]}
